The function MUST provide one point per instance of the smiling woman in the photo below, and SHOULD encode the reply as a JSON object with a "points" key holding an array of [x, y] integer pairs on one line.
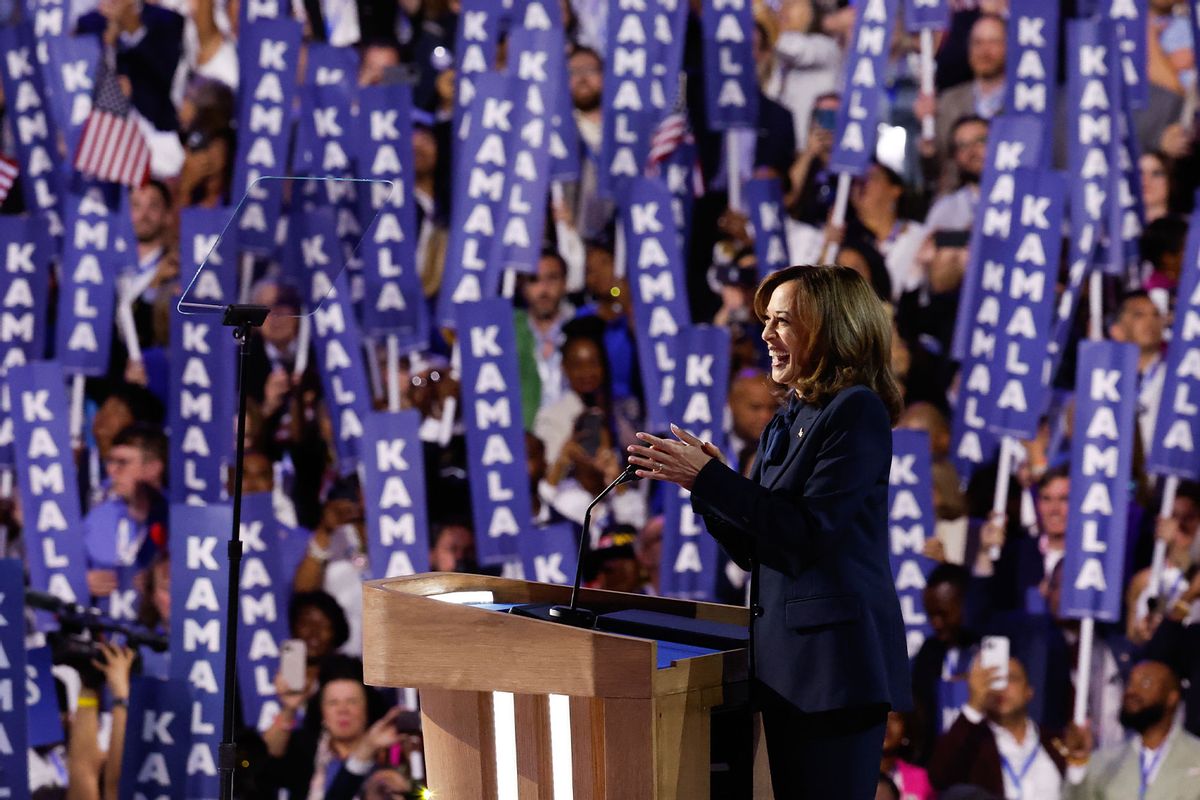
{"points": [[828, 656]]}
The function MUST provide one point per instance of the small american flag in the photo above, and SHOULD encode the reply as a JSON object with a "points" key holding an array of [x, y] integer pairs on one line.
{"points": [[673, 131], [8, 176], [112, 147]]}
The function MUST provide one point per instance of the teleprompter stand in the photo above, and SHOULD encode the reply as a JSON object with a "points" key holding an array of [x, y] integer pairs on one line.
{"points": [[242, 318]]}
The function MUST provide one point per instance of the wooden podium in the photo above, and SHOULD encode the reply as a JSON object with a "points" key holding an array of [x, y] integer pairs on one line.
{"points": [[635, 731]]}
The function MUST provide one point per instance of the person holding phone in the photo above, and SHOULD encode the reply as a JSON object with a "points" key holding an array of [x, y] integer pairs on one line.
{"points": [[993, 744], [827, 653]]}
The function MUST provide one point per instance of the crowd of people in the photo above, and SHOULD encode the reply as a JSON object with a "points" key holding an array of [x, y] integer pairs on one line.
{"points": [[906, 231]]}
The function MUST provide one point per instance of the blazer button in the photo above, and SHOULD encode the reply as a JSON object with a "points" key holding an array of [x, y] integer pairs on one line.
{"points": [[756, 610]]}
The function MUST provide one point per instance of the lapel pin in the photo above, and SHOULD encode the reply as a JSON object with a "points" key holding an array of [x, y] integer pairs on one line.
{"points": [[800, 433]]}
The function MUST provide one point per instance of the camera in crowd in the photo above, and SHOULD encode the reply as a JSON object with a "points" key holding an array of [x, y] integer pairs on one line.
{"points": [[79, 629]]}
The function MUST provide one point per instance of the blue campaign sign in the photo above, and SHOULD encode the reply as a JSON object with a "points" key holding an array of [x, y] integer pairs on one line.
{"points": [[44, 723], [764, 202], [866, 69], [481, 167], [1009, 344], [14, 765], [1093, 136], [25, 255], [265, 589], [474, 55], [199, 582], [1129, 211], [47, 482], [1013, 142], [252, 10], [393, 300], [97, 245], [1101, 465], [730, 74], [537, 53], [49, 17], [681, 171], [335, 70], [32, 122], [157, 740], [931, 15], [1173, 450], [1031, 66], [660, 308], [910, 523], [549, 553], [394, 494], [691, 560], [203, 356], [1130, 19], [268, 50], [68, 73], [330, 114], [522, 220], [641, 67], [335, 335], [500, 500]]}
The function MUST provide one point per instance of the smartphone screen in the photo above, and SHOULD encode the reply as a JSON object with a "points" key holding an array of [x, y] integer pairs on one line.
{"points": [[993, 652], [825, 118], [293, 655]]}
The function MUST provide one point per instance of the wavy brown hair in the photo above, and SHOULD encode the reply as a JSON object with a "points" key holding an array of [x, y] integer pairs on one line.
{"points": [[845, 332]]}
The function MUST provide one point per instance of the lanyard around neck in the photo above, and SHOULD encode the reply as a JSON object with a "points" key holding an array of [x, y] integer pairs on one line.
{"points": [[1148, 769], [1015, 776]]}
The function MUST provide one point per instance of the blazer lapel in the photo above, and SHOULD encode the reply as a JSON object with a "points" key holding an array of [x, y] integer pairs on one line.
{"points": [[1125, 779], [797, 438]]}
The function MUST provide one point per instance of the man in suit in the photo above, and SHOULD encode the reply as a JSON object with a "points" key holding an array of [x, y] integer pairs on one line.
{"points": [[982, 96], [939, 671], [1176, 642], [1161, 761], [149, 42], [993, 744]]}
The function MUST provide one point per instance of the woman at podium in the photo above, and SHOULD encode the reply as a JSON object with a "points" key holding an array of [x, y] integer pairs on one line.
{"points": [[827, 652]]}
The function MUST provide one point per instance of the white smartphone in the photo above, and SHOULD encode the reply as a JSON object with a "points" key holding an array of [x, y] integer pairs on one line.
{"points": [[293, 659], [993, 652]]}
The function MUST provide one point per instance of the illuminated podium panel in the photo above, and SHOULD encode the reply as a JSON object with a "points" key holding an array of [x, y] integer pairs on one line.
{"points": [[519, 707]]}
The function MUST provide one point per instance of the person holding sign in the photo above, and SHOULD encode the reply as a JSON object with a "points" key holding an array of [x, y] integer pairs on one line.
{"points": [[827, 647], [1158, 761]]}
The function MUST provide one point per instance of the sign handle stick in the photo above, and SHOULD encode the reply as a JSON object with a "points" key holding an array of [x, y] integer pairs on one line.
{"points": [[927, 123], [77, 382], [619, 270], [245, 277], [393, 372], [372, 352], [733, 165], [129, 332], [1096, 306], [1003, 479], [838, 220], [1083, 669], [303, 337], [1170, 487], [449, 408]]}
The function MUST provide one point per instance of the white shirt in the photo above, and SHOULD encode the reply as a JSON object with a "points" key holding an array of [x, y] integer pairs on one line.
{"points": [[954, 211], [1028, 771]]}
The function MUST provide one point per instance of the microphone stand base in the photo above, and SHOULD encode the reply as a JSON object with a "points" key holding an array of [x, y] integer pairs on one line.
{"points": [[576, 617]]}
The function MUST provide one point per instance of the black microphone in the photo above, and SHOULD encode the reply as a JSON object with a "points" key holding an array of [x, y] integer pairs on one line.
{"points": [[572, 614]]}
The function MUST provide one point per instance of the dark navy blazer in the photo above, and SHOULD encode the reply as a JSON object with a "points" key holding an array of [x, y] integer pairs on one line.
{"points": [[826, 630]]}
